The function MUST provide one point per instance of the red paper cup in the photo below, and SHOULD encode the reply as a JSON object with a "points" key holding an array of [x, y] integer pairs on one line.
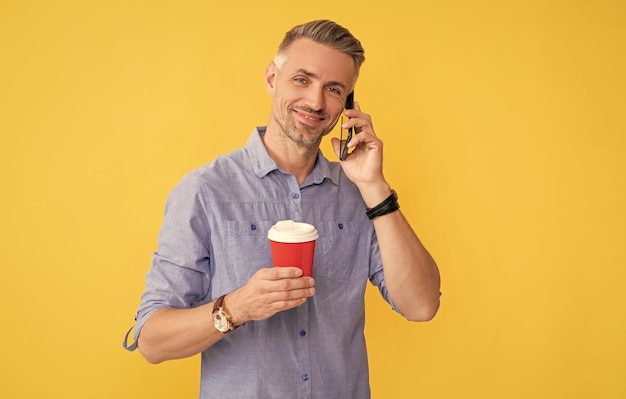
{"points": [[293, 245]]}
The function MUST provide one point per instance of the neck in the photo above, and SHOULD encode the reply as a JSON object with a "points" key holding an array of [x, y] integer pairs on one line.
{"points": [[288, 155]]}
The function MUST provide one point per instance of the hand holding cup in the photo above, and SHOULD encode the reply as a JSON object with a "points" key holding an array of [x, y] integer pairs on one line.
{"points": [[293, 244]]}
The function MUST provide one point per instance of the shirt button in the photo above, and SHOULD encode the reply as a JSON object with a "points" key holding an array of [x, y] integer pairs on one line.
{"points": [[253, 227], [295, 195], [305, 377], [302, 333], [340, 225]]}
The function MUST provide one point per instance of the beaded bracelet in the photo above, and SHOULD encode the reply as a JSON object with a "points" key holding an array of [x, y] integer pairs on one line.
{"points": [[389, 204]]}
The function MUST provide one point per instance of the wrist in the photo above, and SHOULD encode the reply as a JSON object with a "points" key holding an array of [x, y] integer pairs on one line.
{"points": [[233, 310], [374, 194], [388, 205]]}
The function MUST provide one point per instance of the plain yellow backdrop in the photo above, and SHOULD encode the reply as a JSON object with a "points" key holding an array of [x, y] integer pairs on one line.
{"points": [[505, 137]]}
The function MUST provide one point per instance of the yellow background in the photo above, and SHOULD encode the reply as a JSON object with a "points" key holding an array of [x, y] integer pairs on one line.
{"points": [[505, 132]]}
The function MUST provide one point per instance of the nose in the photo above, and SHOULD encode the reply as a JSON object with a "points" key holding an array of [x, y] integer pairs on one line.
{"points": [[315, 98]]}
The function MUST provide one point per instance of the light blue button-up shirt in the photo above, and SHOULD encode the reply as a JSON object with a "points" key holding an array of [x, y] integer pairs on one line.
{"points": [[214, 238]]}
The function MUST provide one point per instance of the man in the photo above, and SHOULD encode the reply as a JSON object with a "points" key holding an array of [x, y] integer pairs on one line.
{"points": [[284, 335]]}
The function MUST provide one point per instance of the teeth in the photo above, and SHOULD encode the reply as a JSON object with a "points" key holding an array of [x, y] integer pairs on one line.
{"points": [[308, 116]]}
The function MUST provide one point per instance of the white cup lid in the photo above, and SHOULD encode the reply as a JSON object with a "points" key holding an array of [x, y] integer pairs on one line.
{"points": [[290, 231]]}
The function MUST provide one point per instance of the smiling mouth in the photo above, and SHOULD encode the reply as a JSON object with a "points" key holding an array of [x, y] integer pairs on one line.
{"points": [[312, 116]]}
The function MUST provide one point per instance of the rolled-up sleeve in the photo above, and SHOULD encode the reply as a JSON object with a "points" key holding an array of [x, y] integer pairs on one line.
{"points": [[180, 275]]}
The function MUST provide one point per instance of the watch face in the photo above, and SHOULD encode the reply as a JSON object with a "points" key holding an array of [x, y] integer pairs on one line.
{"points": [[220, 321]]}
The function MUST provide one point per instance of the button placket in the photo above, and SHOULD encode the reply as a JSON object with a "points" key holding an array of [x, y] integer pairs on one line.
{"points": [[304, 349], [296, 204]]}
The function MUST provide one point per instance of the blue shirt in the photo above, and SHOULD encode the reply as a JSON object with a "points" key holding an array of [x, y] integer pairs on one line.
{"points": [[214, 238]]}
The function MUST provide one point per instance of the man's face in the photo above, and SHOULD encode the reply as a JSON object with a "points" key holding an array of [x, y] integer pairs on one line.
{"points": [[309, 91]]}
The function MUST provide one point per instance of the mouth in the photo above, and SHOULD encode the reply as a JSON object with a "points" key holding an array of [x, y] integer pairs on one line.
{"points": [[309, 118]]}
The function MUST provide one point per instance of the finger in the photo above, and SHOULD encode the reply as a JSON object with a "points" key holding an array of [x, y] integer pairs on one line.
{"points": [[281, 306], [360, 124], [291, 284], [356, 113], [282, 300], [354, 110], [366, 139], [279, 273], [291, 294]]}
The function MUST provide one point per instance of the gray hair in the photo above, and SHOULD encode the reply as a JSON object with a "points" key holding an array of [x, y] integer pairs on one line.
{"points": [[324, 32]]}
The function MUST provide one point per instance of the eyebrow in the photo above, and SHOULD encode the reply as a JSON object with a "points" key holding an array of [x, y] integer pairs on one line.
{"points": [[315, 76]]}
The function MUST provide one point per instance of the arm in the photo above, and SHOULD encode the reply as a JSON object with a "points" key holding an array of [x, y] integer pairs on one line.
{"points": [[172, 333], [174, 320], [411, 275]]}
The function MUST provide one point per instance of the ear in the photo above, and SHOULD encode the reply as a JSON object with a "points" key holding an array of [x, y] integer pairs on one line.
{"points": [[270, 78]]}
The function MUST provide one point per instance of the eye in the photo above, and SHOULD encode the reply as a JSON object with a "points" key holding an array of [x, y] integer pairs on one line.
{"points": [[300, 80], [334, 90]]}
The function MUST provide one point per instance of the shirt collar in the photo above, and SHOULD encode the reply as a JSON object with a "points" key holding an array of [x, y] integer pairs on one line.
{"points": [[263, 164]]}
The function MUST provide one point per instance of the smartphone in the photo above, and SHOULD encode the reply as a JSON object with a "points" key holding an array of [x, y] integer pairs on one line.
{"points": [[349, 105]]}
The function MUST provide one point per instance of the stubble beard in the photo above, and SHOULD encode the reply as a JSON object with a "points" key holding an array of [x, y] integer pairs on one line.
{"points": [[301, 134]]}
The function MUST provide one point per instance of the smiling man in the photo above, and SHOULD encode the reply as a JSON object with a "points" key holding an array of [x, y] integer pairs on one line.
{"points": [[268, 332], [309, 83]]}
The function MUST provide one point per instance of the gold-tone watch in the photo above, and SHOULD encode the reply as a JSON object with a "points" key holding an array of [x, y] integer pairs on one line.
{"points": [[221, 319]]}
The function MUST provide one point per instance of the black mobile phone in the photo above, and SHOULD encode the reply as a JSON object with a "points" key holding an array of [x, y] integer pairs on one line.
{"points": [[349, 105]]}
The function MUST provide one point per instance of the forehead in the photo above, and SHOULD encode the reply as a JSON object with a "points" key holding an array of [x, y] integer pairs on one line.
{"points": [[324, 61]]}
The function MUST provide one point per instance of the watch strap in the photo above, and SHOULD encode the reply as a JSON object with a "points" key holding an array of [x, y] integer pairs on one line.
{"points": [[218, 304], [217, 307]]}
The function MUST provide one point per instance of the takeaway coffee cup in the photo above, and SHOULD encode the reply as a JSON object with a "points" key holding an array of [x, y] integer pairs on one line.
{"points": [[293, 244]]}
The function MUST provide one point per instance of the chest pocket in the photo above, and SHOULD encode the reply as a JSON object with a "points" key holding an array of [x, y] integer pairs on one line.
{"points": [[248, 248], [342, 251]]}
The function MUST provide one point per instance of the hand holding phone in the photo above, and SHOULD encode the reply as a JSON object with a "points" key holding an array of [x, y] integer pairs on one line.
{"points": [[344, 151]]}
